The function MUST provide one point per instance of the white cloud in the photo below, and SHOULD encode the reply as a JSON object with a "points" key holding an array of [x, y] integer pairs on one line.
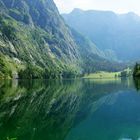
{"points": [[120, 6]]}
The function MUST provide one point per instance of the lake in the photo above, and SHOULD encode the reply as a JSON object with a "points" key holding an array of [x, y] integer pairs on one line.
{"points": [[83, 109]]}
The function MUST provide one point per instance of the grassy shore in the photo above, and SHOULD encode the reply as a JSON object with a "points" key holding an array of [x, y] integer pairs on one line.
{"points": [[108, 75], [102, 75]]}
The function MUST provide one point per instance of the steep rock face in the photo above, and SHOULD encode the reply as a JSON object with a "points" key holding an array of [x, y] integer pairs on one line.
{"points": [[37, 33], [44, 14], [116, 35]]}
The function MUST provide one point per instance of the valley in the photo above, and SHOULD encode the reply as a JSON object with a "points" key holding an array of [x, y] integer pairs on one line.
{"points": [[35, 42]]}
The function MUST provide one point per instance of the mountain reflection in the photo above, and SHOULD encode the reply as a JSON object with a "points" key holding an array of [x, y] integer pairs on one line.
{"points": [[40, 110]]}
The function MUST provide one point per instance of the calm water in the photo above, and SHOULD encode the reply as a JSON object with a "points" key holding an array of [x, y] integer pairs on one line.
{"points": [[70, 110]]}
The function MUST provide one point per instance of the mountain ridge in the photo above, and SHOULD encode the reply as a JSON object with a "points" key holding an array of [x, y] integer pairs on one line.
{"points": [[36, 42], [118, 33]]}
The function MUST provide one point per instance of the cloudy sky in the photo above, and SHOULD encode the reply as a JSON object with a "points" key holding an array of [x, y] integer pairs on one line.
{"points": [[119, 6]]}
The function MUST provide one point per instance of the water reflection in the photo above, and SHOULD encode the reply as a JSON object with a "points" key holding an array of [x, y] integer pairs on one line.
{"points": [[137, 83], [68, 110]]}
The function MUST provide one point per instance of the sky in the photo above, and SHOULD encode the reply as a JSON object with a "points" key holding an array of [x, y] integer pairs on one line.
{"points": [[118, 6]]}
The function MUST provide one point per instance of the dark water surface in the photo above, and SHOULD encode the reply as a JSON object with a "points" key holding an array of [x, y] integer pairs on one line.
{"points": [[70, 110]]}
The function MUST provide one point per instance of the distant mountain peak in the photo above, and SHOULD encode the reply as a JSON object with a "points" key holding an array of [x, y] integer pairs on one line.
{"points": [[77, 10], [81, 11], [108, 30], [128, 14], [131, 13]]}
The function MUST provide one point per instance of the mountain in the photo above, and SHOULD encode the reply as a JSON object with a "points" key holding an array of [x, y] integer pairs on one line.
{"points": [[92, 58], [34, 32], [117, 35], [35, 42]]}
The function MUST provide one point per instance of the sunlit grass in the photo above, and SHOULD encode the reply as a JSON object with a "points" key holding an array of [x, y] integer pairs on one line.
{"points": [[102, 75], [11, 138]]}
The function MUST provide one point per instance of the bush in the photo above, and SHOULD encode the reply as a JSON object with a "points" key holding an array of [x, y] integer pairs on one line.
{"points": [[4, 69], [136, 72], [31, 72]]}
